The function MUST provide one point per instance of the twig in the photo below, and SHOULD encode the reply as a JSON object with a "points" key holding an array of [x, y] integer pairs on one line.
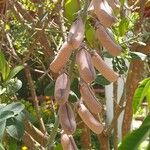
{"points": [[34, 97], [119, 109], [53, 134]]}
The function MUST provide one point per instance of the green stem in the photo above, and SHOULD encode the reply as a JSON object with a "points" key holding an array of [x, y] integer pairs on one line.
{"points": [[53, 134]]}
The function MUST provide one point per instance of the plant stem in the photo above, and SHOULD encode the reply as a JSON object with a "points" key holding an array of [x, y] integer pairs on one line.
{"points": [[53, 134]]}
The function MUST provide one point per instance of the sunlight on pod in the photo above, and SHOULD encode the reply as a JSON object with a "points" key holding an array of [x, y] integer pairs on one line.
{"points": [[89, 119], [67, 118], [68, 142], [101, 66], [103, 12], [86, 69], [76, 33], [90, 99], [107, 41], [62, 88]]}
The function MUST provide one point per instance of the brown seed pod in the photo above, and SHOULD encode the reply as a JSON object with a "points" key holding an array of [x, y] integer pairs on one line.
{"points": [[61, 58], [103, 12], [68, 142], [107, 41], [62, 88], [101, 66], [89, 119], [76, 33], [89, 98], [67, 118], [86, 69]]}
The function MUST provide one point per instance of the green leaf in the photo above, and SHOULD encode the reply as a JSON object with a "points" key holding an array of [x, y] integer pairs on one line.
{"points": [[5, 114], [137, 55], [15, 107], [16, 129], [49, 90], [72, 97], [1, 147], [15, 71], [13, 85], [4, 67], [140, 93], [58, 147], [71, 7], [90, 35], [100, 80], [123, 26], [2, 128], [136, 137]]}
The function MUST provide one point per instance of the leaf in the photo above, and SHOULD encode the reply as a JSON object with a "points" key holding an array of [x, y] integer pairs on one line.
{"points": [[140, 93], [58, 147], [16, 129], [1, 147], [137, 55], [71, 7], [49, 90], [15, 107], [72, 97], [13, 85], [2, 128], [15, 71], [123, 26], [100, 80], [136, 137], [4, 67], [90, 35], [5, 115]]}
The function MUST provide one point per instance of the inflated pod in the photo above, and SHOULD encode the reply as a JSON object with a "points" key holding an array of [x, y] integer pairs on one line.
{"points": [[107, 41], [67, 118], [62, 88], [101, 66], [61, 58], [90, 99], [103, 12], [76, 33], [89, 119], [86, 69], [68, 142]]}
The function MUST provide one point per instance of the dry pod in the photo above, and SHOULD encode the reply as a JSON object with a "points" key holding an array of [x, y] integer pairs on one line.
{"points": [[89, 119], [86, 69], [89, 98], [107, 41], [103, 12], [68, 142], [76, 33], [61, 58], [62, 88], [67, 118], [101, 66]]}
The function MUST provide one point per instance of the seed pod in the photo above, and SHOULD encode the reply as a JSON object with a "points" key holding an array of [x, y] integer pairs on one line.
{"points": [[107, 41], [62, 88], [61, 58], [103, 12], [86, 69], [89, 98], [101, 66], [76, 33], [68, 142], [67, 118], [89, 119]]}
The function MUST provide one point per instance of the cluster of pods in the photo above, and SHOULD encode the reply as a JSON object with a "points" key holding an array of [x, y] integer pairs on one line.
{"points": [[87, 62]]}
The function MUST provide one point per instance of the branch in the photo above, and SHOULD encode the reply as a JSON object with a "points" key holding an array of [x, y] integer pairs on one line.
{"points": [[35, 133], [34, 97]]}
